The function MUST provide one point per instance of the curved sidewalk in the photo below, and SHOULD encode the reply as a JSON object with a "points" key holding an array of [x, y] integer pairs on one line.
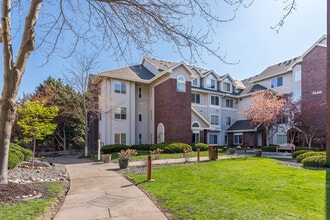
{"points": [[98, 192]]}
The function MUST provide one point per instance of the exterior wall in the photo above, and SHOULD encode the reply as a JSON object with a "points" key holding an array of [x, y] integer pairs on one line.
{"points": [[173, 110], [314, 76], [109, 101], [142, 108]]}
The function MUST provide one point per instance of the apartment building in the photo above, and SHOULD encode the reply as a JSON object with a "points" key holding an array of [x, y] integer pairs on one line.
{"points": [[158, 101]]}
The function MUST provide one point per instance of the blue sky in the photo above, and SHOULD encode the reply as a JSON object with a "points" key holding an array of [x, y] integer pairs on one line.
{"points": [[247, 39]]}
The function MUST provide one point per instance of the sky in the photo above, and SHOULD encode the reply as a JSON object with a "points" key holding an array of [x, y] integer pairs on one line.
{"points": [[248, 40]]}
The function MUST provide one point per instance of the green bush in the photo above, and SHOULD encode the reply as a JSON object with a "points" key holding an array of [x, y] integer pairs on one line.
{"points": [[298, 152], [113, 148], [316, 161], [27, 152], [307, 148], [141, 147], [308, 154], [171, 147], [268, 148], [15, 157], [201, 146]]}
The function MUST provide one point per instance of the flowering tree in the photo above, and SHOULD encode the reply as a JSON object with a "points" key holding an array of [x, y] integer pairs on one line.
{"points": [[266, 110]]}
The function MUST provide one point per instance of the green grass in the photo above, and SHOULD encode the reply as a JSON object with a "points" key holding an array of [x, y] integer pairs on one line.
{"points": [[31, 209], [241, 188]]}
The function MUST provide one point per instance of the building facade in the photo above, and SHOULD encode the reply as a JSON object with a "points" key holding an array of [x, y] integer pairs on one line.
{"points": [[159, 101]]}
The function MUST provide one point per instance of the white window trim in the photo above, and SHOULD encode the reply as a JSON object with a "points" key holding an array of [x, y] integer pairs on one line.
{"points": [[223, 87], [218, 119], [215, 84], [211, 100], [237, 134], [181, 80]]}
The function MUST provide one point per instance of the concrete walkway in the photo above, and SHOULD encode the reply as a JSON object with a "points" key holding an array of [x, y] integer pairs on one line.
{"points": [[98, 192]]}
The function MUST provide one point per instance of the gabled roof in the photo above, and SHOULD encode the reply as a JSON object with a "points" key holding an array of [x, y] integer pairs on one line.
{"points": [[160, 64], [243, 126], [257, 87], [274, 70]]}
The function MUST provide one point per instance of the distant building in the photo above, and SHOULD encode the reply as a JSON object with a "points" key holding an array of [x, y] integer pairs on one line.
{"points": [[158, 101]]}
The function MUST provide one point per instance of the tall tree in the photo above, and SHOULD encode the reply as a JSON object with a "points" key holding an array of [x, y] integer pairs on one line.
{"points": [[69, 119], [36, 121], [266, 110]]}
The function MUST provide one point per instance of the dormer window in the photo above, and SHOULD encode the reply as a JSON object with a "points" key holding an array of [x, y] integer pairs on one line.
{"points": [[181, 84], [226, 86], [195, 82], [210, 83]]}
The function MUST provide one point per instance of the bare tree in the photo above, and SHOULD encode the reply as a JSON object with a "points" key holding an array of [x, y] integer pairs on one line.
{"points": [[77, 75]]}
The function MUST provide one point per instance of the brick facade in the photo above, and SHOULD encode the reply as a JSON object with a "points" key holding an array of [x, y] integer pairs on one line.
{"points": [[173, 109], [313, 84]]}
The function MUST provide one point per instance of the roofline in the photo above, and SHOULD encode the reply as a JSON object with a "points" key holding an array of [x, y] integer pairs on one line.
{"points": [[199, 115]]}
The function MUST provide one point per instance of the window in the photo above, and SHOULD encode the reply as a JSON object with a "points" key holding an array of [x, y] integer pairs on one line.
{"points": [[213, 139], [229, 103], [238, 138], [282, 139], [228, 121], [210, 83], [226, 86], [195, 82], [140, 138], [196, 138], [195, 125], [214, 100], [120, 87], [214, 119], [180, 84], [120, 113], [140, 92], [277, 82], [195, 98], [120, 138], [226, 139], [140, 117]]}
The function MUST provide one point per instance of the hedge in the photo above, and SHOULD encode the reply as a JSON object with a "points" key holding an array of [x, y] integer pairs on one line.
{"points": [[113, 148], [307, 148], [268, 148], [201, 146], [171, 147], [316, 161], [308, 154], [18, 154], [298, 152], [141, 147]]}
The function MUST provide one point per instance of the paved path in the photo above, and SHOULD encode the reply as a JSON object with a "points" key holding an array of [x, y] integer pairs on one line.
{"points": [[98, 192]]}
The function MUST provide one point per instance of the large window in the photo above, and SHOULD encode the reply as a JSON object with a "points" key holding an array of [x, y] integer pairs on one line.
{"points": [[181, 84], [213, 139], [229, 103], [120, 138], [120, 87], [238, 138], [120, 113], [210, 83], [277, 82], [214, 100], [215, 120], [140, 92], [226, 86], [195, 98]]}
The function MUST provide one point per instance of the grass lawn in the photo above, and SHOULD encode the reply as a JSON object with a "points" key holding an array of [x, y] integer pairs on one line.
{"points": [[31, 209], [241, 188]]}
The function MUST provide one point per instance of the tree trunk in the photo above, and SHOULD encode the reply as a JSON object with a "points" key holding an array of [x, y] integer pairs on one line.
{"points": [[13, 73], [267, 131], [34, 149]]}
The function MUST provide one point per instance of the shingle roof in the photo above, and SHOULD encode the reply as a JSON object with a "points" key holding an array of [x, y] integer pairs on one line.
{"points": [[142, 72], [257, 87], [161, 64], [242, 125]]}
